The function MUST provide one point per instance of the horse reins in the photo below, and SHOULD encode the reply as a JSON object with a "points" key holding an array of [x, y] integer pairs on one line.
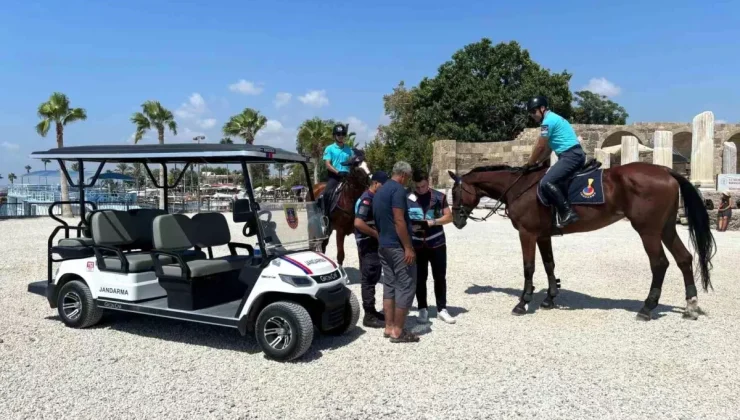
{"points": [[501, 201]]}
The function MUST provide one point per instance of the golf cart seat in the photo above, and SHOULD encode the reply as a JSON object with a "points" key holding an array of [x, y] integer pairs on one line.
{"points": [[198, 283], [80, 247], [117, 235], [212, 229], [144, 222]]}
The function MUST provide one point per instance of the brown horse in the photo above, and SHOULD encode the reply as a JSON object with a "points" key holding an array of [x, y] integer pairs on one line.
{"points": [[646, 194], [342, 219]]}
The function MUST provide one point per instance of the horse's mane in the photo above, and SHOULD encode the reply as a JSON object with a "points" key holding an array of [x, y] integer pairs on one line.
{"points": [[494, 168]]}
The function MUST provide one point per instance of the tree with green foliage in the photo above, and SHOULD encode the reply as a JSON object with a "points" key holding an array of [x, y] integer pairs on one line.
{"points": [[12, 177], [245, 125], [58, 112], [45, 162], [313, 136], [154, 115], [592, 108]]}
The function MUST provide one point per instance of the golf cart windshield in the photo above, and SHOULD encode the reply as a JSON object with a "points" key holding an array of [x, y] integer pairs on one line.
{"points": [[290, 226]]}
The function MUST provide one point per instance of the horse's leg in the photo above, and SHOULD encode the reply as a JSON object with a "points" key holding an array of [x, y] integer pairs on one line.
{"points": [[529, 248], [545, 246], [340, 247], [683, 259], [651, 241]]}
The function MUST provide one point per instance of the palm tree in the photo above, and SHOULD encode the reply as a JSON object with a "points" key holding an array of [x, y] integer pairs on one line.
{"points": [[122, 168], [226, 140], [12, 177], [156, 116], [245, 125], [57, 110], [75, 167], [28, 169], [313, 136], [45, 162]]}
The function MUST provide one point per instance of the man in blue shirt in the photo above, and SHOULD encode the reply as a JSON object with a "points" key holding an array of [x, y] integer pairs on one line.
{"points": [[557, 135], [390, 211], [367, 246], [335, 155]]}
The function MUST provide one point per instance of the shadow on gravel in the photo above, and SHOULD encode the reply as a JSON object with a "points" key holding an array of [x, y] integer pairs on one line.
{"points": [[570, 300], [353, 274], [213, 336]]}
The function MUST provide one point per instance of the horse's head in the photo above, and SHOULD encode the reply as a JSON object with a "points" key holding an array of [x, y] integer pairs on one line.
{"points": [[465, 198], [358, 169]]}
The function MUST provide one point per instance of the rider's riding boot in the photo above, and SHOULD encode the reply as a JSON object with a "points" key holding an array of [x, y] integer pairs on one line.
{"points": [[565, 211]]}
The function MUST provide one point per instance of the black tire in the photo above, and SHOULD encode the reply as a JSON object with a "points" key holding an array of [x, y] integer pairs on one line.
{"points": [[76, 305], [351, 316], [294, 320]]}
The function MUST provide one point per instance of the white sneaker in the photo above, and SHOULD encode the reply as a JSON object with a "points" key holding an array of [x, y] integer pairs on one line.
{"points": [[423, 316], [445, 316]]}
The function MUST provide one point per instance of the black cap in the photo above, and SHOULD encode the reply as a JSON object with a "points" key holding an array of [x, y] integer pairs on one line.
{"points": [[379, 176], [339, 130]]}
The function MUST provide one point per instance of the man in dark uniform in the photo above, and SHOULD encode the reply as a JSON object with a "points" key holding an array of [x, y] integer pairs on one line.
{"points": [[367, 246]]}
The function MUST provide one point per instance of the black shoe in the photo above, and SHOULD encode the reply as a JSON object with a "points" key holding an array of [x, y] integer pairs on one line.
{"points": [[566, 215], [372, 321]]}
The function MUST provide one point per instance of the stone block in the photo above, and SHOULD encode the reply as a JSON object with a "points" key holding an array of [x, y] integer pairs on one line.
{"points": [[663, 148], [729, 158], [702, 150], [630, 152]]}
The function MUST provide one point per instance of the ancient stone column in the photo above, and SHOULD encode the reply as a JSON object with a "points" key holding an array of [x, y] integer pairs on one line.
{"points": [[630, 152], [663, 148], [702, 150], [603, 157], [729, 158]]}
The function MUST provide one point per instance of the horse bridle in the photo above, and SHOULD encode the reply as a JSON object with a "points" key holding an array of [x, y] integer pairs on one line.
{"points": [[466, 213]]}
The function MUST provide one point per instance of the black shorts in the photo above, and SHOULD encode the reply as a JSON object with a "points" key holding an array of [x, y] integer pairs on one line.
{"points": [[399, 281]]}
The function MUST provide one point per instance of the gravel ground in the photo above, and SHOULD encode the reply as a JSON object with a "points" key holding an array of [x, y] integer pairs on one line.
{"points": [[588, 359]]}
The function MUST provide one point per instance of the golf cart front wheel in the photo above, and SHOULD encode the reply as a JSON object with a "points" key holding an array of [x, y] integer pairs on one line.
{"points": [[284, 331], [76, 306]]}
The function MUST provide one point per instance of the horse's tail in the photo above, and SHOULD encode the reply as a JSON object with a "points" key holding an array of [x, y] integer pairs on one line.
{"points": [[699, 228]]}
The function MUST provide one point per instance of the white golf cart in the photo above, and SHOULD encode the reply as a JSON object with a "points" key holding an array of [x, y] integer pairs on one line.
{"points": [[151, 262]]}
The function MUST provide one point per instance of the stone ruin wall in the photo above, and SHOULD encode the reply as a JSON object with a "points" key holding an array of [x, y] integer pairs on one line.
{"points": [[460, 157]]}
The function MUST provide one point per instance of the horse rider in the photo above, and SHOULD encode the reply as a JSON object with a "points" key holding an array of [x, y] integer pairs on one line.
{"points": [[335, 155], [556, 134], [367, 247]]}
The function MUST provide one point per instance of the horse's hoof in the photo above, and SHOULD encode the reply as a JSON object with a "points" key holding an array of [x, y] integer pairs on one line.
{"points": [[643, 315], [519, 310], [691, 315]]}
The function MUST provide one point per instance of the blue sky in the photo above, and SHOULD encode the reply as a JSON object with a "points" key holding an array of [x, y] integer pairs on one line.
{"points": [[663, 61]]}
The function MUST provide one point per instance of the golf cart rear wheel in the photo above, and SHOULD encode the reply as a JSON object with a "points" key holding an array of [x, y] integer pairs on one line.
{"points": [[284, 330], [351, 316], [76, 305]]}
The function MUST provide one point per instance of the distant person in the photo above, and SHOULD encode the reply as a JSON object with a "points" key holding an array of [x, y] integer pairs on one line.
{"points": [[429, 211], [556, 134], [390, 211], [367, 247], [725, 212], [335, 155]]}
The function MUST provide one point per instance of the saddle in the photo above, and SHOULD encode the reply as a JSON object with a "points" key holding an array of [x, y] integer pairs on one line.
{"points": [[584, 187], [331, 201]]}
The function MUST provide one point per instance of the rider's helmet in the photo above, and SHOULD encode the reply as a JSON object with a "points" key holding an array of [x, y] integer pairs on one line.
{"points": [[537, 102], [339, 130]]}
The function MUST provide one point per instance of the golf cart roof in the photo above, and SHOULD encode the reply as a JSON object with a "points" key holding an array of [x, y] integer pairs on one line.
{"points": [[178, 152]]}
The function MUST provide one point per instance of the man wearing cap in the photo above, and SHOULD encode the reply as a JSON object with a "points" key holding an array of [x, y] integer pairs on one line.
{"points": [[367, 246]]}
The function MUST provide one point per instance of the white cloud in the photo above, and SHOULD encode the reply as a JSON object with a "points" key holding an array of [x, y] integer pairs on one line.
{"points": [[315, 98], [282, 99], [720, 121], [601, 86], [9, 146], [363, 133], [193, 108], [276, 135], [245, 87], [207, 123]]}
